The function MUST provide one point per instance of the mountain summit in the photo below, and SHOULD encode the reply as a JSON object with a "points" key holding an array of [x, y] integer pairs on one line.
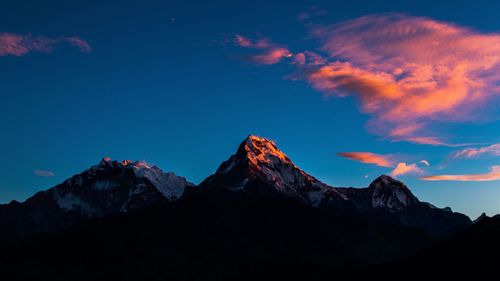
{"points": [[259, 167], [391, 193]]}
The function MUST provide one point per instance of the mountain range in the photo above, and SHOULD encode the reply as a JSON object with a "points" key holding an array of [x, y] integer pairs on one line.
{"points": [[257, 214], [258, 168]]}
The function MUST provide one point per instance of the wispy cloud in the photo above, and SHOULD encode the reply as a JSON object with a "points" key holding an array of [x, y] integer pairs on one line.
{"points": [[78, 42], [312, 12], [387, 161], [492, 175], [425, 162], [308, 58], [368, 158], [270, 52], [474, 152], [44, 173], [18, 44], [410, 74], [403, 169]]}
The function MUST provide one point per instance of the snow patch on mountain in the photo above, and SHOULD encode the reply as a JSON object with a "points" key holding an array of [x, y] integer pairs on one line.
{"points": [[71, 202], [169, 184]]}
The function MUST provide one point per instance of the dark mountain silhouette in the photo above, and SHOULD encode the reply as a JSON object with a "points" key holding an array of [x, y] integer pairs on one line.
{"points": [[471, 254], [211, 236]]}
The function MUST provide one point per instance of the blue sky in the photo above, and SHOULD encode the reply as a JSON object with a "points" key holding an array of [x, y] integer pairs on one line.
{"points": [[168, 84]]}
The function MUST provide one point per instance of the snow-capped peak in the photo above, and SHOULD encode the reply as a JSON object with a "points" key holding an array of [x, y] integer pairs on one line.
{"points": [[259, 162], [169, 184], [263, 151], [391, 193], [265, 160], [122, 184]]}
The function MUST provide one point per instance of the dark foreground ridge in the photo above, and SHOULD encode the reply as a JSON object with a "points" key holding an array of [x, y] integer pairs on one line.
{"points": [[216, 236]]}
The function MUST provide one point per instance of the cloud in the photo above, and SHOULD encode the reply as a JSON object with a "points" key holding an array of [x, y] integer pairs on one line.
{"points": [[270, 52], [368, 158], [83, 45], [308, 58], [313, 11], [385, 161], [492, 175], [474, 152], [18, 45], [44, 173], [425, 162], [408, 72], [412, 75], [403, 169]]}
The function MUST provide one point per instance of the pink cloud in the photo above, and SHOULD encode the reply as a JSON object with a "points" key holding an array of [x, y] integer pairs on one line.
{"points": [[412, 75], [78, 42], [492, 175], [474, 152], [44, 173], [18, 45], [408, 72], [425, 163], [270, 52], [368, 158], [308, 58], [403, 169]]}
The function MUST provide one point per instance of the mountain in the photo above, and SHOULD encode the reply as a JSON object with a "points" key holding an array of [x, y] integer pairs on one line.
{"points": [[391, 200], [259, 168], [107, 188], [481, 217]]}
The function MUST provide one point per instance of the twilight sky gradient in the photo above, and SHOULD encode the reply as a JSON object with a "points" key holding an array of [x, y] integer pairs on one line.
{"points": [[349, 90]]}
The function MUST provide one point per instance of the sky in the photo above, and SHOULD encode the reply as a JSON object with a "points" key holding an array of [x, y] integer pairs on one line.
{"points": [[349, 90]]}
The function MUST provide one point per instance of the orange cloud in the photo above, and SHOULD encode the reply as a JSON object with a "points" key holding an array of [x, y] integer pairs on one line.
{"points": [[271, 52], [385, 161], [368, 158], [474, 152], [408, 72], [19, 45], [493, 175], [403, 169], [412, 75]]}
